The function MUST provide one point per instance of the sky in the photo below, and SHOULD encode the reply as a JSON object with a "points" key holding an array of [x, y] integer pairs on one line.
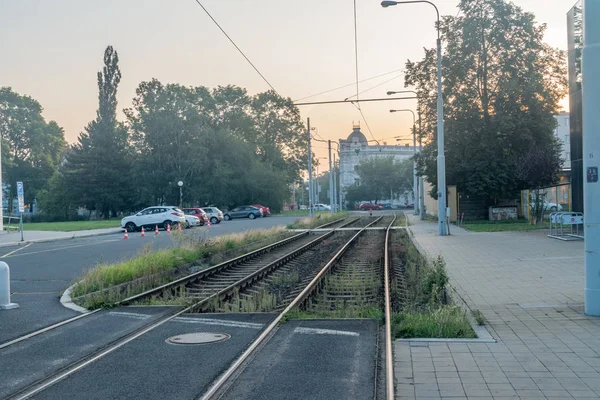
{"points": [[52, 51]]}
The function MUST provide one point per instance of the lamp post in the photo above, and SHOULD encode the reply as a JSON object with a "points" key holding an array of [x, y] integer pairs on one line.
{"points": [[416, 189], [180, 184], [421, 183], [441, 160]]}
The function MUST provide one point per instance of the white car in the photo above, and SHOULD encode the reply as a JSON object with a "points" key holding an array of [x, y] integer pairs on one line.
{"points": [[322, 207], [550, 207], [151, 217], [192, 221], [215, 216]]}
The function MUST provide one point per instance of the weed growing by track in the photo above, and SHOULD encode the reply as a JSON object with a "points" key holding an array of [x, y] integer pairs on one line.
{"points": [[313, 222], [420, 304], [108, 283]]}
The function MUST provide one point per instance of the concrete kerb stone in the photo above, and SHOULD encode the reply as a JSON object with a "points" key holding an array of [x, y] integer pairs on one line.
{"points": [[483, 335], [26, 242], [67, 301]]}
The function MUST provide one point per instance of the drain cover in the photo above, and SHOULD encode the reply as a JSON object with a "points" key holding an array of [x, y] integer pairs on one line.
{"points": [[198, 338]]}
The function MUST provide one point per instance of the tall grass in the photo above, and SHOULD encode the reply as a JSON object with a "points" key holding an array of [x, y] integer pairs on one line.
{"points": [[313, 222], [108, 283], [440, 322]]}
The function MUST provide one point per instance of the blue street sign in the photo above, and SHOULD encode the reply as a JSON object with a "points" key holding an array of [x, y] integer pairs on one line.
{"points": [[21, 197]]}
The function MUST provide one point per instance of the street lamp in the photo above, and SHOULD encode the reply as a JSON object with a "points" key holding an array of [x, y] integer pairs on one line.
{"points": [[180, 184], [421, 186], [441, 160], [416, 189]]}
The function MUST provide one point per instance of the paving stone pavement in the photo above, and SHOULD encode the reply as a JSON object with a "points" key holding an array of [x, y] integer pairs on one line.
{"points": [[530, 290]]}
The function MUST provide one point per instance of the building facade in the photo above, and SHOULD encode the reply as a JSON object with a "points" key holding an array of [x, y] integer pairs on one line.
{"points": [[356, 147], [563, 134]]}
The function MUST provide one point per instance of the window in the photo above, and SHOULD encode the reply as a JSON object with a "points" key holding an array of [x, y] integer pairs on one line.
{"points": [[567, 139], [147, 211], [567, 156], [567, 122]]}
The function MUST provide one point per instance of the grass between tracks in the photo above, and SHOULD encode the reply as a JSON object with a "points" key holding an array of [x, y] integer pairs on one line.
{"points": [[318, 220], [108, 283]]}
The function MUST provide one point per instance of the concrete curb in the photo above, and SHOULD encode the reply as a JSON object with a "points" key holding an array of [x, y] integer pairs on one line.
{"points": [[26, 242], [67, 302]]}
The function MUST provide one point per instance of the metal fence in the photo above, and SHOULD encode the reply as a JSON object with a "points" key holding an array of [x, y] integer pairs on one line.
{"points": [[556, 198]]}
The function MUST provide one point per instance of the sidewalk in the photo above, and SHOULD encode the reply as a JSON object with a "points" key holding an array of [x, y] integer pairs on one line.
{"points": [[530, 290], [12, 238]]}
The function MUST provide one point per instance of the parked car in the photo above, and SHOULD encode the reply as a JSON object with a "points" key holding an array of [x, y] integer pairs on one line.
{"points": [[243, 212], [192, 221], [198, 212], [322, 207], [154, 216], [265, 210], [303, 207], [550, 207], [370, 206], [214, 215]]}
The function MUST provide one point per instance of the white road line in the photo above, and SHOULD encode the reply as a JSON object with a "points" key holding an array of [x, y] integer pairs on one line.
{"points": [[63, 248], [315, 331], [14, 251], [222, 322], [129, 315]]}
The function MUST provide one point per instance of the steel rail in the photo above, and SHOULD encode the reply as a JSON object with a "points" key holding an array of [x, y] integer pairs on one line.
{"points": [[266, 333], [389, 365], [46, 382]]}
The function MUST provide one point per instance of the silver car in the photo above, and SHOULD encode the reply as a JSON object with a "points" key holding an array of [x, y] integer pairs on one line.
{"points": [[215, 216]]}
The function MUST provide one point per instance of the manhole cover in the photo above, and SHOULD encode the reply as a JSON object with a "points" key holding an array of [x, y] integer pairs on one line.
{"points": [[198, 338]]}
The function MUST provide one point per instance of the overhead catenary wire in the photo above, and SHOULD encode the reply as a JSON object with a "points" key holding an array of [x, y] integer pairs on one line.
{"points": [[374, 87], [348, 85], [236, 46]]}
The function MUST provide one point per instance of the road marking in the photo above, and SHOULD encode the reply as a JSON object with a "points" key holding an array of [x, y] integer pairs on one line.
{"points": [[62, 248], [14, 251], [223, 322], [129, 315], [314, 331]]}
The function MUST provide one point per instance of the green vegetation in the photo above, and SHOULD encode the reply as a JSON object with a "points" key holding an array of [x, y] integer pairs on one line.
{"points": [[502, 226], [108, 283], [441, 322], [479, 318], [420, 304], [71, 226], [317, 220]]}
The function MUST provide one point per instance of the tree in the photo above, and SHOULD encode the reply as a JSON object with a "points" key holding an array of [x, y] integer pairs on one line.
{"points": [[31, 148], [98, 165], [538, 168], [379, 177], [502, 85]]}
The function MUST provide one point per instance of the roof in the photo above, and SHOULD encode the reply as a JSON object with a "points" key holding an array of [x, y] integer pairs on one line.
{"points": [[357, 135]]}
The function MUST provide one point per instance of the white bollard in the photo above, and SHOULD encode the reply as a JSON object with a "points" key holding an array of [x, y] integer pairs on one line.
{"points": [[5, 303]]}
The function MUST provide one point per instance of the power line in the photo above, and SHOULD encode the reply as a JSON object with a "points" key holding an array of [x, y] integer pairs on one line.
{"points": [[376, 86], [350, 84], [311, 103], [236, 46]]}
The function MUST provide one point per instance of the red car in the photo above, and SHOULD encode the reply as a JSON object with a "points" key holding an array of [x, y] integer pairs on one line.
{"points": [[197, 212], [370, 206], [265, 210]]}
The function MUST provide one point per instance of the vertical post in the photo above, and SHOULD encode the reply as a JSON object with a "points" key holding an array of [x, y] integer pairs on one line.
{"points": [[334, 185], [21, 226], [331, 201], [441, 159], [180, 197], [421, 186], [310, 187], [1, 192], [415, 179], [5, 303], [591, 153]]}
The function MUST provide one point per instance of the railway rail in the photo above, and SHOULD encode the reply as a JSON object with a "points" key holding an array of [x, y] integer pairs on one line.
{"points": [[247, 272]]}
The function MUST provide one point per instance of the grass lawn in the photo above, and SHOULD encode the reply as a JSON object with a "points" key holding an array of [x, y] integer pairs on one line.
{"points": [[71, 226], [301, 213], [501, 226]]}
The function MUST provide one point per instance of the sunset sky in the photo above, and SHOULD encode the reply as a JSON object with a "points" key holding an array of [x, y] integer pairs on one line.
{"points": [[52, 50]]}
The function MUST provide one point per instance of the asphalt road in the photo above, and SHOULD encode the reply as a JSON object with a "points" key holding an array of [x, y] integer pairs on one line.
{"points": [[40, 272]]}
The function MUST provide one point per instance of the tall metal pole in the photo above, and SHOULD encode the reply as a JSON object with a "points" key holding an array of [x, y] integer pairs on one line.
{"points": [[334, 185], [331, 201], [415, 178], [1, 192], [441, 159], [591, 150], [310, 187]]}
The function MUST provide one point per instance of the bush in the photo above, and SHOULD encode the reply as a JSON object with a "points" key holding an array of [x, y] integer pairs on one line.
{"points": [[442, 322]]}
